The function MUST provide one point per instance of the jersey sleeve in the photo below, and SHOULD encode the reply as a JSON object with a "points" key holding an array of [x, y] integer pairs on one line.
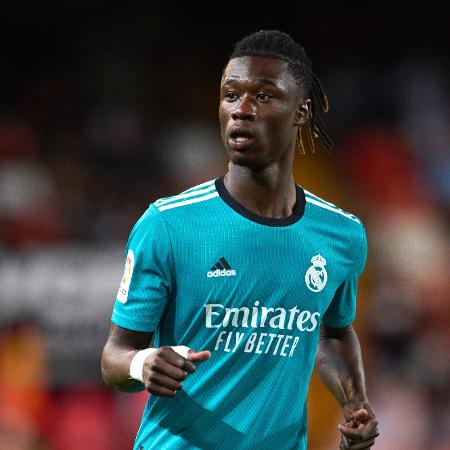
{"points": [[147, 281], [342, 309]]}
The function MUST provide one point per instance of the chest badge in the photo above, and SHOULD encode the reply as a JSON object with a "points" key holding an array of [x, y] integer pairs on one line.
{"points": [[316, 276]]}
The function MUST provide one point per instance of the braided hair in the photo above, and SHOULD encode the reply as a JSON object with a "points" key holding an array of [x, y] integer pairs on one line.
{"points": [[279, 45]]}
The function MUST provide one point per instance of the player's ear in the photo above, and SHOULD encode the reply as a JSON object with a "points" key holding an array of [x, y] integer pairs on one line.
{"points": [[303, 112]]}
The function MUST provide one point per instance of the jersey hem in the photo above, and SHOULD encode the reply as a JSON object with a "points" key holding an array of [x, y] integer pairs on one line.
{"points": [[119, 320], [340, 323]]}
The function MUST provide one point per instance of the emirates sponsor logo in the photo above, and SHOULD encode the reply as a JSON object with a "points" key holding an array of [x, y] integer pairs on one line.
{"points": [[269, 323]]}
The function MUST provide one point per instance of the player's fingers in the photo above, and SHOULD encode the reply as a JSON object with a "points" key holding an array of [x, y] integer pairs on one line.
{"points": [[363, 432], [369, 409], [160, 391], [352, 423], [198, 356], [344, 443], [351, 433], [362, 445], [165, 368], [155, 378], [360, 415], [172, 357]]}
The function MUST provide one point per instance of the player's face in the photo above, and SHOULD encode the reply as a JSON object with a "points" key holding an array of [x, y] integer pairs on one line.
{"points": [[260, 109]]}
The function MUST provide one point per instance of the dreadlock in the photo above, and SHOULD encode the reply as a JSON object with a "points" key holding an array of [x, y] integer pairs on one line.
{"points": [[279, 45]]}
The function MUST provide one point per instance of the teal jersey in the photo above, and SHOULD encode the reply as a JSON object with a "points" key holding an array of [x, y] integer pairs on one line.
{"points": [[204, 272]]}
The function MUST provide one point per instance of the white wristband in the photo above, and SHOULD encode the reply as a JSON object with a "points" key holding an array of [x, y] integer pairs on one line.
{"points": [[137, 363]]}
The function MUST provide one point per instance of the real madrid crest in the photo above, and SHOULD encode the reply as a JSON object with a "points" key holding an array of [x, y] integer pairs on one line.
{"points": [[316, 276]]}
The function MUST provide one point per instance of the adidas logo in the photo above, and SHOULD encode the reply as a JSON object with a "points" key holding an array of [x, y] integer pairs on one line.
{"points": [[221, 269]]}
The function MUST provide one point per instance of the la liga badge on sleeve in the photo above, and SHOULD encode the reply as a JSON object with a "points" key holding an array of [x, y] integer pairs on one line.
{"points": [[122, 295]]}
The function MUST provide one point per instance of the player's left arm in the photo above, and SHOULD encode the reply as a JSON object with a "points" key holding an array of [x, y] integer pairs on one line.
{"points": [[339, 365]]}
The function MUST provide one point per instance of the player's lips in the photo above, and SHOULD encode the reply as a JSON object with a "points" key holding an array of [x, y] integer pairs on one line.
{"points": [[240, 138]]}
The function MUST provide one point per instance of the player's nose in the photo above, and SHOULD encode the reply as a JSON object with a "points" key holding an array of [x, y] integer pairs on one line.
{"points": [[245, 110]]}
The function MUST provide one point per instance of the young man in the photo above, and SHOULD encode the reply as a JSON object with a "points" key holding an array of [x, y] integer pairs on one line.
{"points": [[248, 277]]}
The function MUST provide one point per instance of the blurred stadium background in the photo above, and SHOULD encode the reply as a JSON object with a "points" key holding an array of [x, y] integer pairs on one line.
{"points": [[104, 109]]}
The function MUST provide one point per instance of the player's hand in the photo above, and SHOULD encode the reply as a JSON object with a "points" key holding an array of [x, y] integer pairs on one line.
{"points": [[165, 370], [360, 429]]}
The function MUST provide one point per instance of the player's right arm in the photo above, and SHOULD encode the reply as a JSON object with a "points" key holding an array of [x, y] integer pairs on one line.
{"points": [[145, 291], [163, 371]]}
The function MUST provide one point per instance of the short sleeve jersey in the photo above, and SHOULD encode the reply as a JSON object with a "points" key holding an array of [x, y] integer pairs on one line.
{"points": [[204, 272]]}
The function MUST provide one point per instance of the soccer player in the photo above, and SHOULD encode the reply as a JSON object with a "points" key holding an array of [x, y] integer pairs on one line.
{"points": [[233, 287]]}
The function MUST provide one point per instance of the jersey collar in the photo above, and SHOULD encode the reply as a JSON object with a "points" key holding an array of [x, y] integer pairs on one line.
{"points": [[296, 215]]}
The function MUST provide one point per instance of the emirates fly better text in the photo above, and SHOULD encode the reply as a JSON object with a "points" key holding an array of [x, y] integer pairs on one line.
{"points": [[273, 320]]}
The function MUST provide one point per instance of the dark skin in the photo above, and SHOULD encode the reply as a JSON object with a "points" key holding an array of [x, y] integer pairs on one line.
{"points": [[259, 100], [164, 370], [339, 365], [261, 108]]}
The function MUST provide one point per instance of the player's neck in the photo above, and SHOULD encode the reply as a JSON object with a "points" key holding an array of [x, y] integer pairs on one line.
{"points": [[269, 192]]}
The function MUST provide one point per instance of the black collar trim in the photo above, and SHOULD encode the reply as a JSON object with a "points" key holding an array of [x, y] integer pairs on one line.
{"points": [[296, 215]]}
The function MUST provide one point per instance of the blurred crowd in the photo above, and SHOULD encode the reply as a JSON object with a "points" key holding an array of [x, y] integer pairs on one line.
{"points": [[85, 147]]}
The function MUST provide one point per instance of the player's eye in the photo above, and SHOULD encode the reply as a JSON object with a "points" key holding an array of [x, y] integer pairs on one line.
{"points": [[262, 97], [230, 96]]}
